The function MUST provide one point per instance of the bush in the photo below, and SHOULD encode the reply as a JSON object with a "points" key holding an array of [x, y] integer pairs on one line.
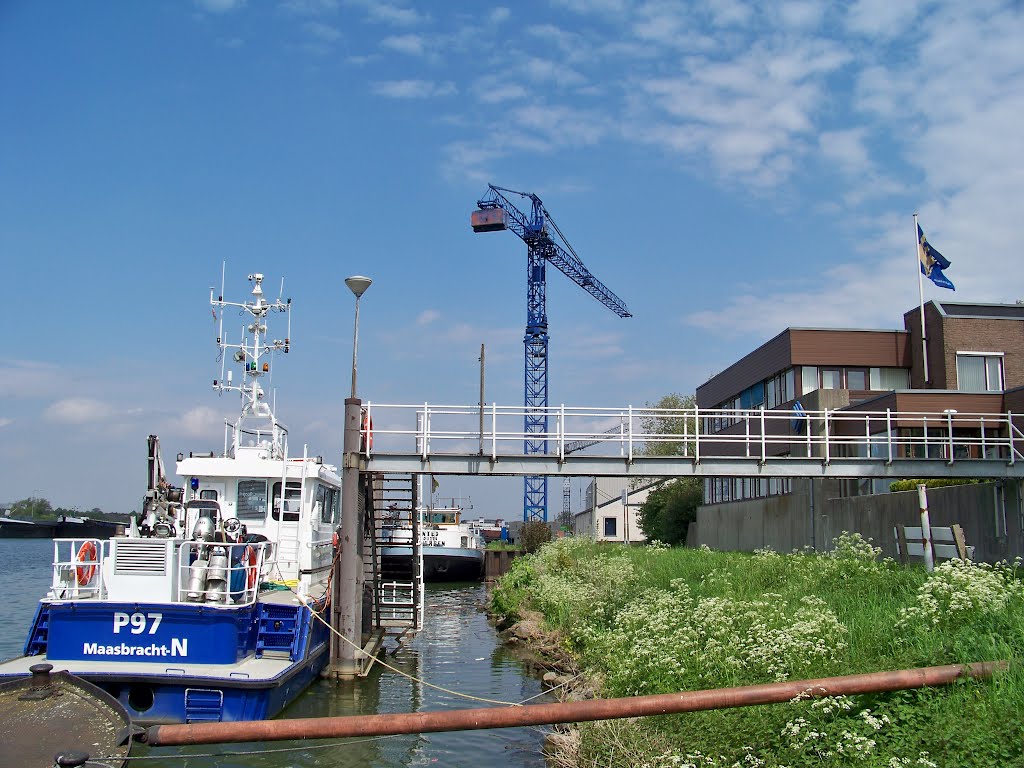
{"points": [[534, 534]]}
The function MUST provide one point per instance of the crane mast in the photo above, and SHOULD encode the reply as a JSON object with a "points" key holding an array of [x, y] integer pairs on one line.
{"points": [[496, 212]]}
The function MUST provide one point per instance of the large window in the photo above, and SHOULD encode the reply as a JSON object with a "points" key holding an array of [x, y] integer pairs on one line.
{"points": [[977, 372], [292, 500], [888, 379], [252, 499], [780, 389], [808, 379]]}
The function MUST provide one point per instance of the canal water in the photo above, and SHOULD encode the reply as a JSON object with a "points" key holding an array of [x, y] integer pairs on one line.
{"points": [[458, 650]]}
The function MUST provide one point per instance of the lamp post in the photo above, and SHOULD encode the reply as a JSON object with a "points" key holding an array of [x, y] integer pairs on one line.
{"points": [[347, 658], [358, 285]]}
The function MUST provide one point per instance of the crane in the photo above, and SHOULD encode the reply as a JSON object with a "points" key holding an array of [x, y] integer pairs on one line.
{"points": [[496, 212]]}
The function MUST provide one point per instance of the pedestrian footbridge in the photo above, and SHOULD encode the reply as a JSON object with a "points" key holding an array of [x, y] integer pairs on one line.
{"points": [[654, 442]]}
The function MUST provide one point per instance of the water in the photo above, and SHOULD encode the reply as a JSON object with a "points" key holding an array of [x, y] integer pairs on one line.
{"points": [[458, 650]]}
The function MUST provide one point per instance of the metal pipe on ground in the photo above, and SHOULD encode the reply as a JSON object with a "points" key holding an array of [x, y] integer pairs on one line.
{"points": [[564, 712]]}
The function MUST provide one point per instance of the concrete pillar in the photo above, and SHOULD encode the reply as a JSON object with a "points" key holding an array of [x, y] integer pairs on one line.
{"points": [[347, 584]]}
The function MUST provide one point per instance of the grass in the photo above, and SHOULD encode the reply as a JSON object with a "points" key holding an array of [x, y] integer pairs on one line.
{"points": [[658, 620]]}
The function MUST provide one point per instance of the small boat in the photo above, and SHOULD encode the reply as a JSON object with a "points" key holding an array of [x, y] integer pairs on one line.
{"points": [[452, 549], [213, 606]]}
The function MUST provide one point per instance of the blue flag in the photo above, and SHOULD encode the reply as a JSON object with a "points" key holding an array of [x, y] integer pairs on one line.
{"points": [[932, 262]]}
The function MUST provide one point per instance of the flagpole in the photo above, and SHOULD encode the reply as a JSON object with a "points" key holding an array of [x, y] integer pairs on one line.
{"points": [[920, 291]]}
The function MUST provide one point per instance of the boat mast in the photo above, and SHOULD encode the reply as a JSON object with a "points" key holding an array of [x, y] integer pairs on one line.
{"points": [[255, 345]]}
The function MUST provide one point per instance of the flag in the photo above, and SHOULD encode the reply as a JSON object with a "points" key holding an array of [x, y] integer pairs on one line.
{"points": [[932, 262], [434, 484]]}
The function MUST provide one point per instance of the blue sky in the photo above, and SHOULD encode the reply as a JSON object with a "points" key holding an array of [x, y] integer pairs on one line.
{"points": [[729, 169]]}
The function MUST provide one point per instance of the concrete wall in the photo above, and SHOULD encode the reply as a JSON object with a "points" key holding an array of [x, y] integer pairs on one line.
{"points": [[990, 514]]}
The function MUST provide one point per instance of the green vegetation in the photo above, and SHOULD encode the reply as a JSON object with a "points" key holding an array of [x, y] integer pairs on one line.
{"points": [[533, 535], [670, 508], [935, 482], [40, 509], [658, 620]]}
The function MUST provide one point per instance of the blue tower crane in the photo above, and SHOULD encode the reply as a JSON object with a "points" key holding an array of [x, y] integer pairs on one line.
{"points": [[495, 213]]}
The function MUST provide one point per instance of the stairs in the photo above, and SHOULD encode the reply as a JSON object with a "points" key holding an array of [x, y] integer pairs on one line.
{"points": [[394, 562], [282, 629], [37, 639]]}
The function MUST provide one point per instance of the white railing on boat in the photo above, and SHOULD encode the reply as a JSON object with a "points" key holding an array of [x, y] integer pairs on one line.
{"points": [[431, 430], [218, 574]]}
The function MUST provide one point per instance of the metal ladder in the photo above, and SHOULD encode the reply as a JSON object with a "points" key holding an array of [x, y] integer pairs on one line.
{"points": [[397, 582]]}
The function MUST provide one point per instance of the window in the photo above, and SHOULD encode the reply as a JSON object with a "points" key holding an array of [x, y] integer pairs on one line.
{"points": [[610, 526], [212, 495], [252, 499], [856, 378], [979, 373], [888, 379], [292, 500], [779, 389], [831, 378], [808, 379]]}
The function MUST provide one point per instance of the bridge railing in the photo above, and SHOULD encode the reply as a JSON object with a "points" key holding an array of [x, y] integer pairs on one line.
{"points": [[495, 430]]}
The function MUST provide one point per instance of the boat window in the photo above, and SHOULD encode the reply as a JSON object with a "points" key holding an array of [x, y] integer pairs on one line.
{"points": [[330, 511], [252, 499], [327, 499], [208, 495], [292, 500]]}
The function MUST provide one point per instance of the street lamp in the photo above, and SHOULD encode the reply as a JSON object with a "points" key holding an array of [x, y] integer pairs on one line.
{"points": [[358, 285]]}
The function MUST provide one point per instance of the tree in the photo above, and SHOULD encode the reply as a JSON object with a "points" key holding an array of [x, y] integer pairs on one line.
{"points": [[32, 508], [672, 506], [670, 418], [533, 535]]}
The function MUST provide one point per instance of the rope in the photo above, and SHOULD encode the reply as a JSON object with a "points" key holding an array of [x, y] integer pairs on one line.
{"points": [[413, 678]]}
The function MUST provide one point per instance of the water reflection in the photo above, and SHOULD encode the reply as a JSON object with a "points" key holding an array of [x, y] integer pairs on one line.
{"points": [[458, 650]]}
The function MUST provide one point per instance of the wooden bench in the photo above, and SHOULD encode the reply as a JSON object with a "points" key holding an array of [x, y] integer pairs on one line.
{"points": [[947, 543]]}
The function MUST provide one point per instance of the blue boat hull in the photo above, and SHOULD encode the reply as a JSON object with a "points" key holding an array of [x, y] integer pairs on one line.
{"points": [[182, 662]]}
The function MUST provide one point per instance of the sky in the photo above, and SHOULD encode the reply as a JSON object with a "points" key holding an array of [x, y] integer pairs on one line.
{"points": [[728, 169]]}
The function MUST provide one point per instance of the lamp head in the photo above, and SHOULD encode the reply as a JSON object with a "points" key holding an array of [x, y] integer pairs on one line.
{"points": [[358, 284]]}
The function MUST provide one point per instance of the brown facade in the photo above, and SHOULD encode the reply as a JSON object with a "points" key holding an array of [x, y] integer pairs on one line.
{"points": [[953, 418], [796, 347], [953, 328]]}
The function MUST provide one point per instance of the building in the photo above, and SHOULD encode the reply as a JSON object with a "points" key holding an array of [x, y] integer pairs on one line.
{"points": [[605, 517], [969, 364]]}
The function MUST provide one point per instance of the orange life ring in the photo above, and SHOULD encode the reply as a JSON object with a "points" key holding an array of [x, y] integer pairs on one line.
{"points": [[86, 558], [367, 432], [249, 558]]}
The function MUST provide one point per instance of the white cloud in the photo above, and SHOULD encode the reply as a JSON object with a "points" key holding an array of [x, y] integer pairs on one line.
{"points": [[323, 32], [881, 18], [801, 14], [412, 45], [29, 378], [219, 6], [393, 14], [78, 410], [413, 89], [499, 15], [309, 7], [201, 421], [847, 149], [427, 316], [5, 422]]}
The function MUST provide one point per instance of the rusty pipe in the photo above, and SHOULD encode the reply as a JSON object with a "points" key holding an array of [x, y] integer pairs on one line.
{"points": [[563, 712]]}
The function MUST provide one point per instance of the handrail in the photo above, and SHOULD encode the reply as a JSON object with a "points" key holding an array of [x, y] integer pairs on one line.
{"points": [[828, 434]]}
